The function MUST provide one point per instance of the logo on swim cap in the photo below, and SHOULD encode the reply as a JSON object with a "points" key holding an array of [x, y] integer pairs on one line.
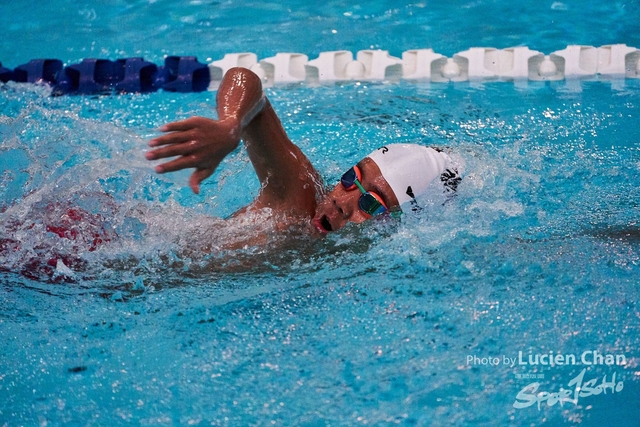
{"points": [[410, 192]]}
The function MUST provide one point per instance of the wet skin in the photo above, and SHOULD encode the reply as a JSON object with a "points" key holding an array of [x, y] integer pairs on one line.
{"points": [[340, 206], [290, 186]]}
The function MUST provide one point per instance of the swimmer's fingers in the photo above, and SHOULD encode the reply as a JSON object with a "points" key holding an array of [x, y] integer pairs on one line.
{"points": [[172, 138], [181, 131], [198, 176], [198, 143], [183, 162], [186, 124], [173, 150]]}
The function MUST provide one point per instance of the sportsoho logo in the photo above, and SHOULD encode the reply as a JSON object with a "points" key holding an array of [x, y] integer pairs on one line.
{"points": [[578, 387]]}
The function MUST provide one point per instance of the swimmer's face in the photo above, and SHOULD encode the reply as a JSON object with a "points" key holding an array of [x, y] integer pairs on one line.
{"points": [[340, 206]]}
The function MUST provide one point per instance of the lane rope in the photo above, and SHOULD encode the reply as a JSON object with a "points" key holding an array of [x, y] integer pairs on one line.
{"points": [[187, 74]]}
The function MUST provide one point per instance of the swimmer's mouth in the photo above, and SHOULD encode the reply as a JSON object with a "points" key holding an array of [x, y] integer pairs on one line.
{"points": [[323, 225]]}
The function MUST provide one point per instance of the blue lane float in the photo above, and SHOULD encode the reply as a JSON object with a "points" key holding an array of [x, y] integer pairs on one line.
{"points": [[138, 76], [38, 71], [6, 74], [127, 75], [89, 76], [185, 74]]}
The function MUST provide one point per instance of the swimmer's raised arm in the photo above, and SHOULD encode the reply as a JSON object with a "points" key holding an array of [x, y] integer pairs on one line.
{"points": [[288, 180]]}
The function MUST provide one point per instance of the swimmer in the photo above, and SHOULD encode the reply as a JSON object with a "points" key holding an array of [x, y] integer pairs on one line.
{"points": [[382, 183]]}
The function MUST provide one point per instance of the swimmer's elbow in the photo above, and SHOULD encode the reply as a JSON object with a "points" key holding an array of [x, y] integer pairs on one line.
{"points": [[244, 76]]}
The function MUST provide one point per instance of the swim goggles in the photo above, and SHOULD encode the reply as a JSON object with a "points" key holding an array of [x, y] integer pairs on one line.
{"points": [[370, 203]]}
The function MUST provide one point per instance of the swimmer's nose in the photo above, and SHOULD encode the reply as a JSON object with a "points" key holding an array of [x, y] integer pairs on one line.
{"points": [[346, 204]]}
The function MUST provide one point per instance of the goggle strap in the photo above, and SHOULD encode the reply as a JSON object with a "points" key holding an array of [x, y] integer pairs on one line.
{"points": [[357, 183]]}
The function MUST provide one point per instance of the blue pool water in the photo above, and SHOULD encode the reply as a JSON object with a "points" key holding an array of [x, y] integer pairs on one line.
{"points": [[392, 323]]}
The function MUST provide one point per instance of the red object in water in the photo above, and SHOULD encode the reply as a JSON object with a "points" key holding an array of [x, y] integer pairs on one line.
{"points": [[85, 230], [67, 227]]}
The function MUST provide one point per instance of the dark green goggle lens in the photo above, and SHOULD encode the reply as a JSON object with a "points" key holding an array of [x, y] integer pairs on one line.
{"points": [[370, 204]]}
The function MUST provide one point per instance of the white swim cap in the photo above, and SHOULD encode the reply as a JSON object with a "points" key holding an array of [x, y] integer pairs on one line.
{"points": [[409, 168]]}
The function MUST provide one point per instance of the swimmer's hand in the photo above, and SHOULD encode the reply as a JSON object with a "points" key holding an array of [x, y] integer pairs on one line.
{"points": [[198, 143]]}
